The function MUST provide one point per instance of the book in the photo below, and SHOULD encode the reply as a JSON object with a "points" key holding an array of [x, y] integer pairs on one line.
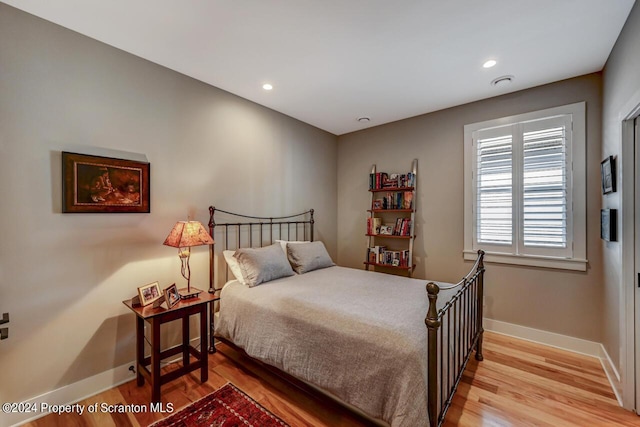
{"points": [[405, 227], [371, 255], [398, 227], [407, 201]]}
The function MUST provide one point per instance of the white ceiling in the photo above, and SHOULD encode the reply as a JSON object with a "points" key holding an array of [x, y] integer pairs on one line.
{"points": [[332, 61]]}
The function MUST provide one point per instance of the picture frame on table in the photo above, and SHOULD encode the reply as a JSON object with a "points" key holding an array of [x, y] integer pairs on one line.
{"points": [[608, 174], [149, 293], [171, 295], [96, 184], [608, 225]]}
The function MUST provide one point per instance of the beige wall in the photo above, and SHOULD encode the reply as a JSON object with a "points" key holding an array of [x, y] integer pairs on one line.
{"points": [[621, 83], [558, 301], [63, 276]]}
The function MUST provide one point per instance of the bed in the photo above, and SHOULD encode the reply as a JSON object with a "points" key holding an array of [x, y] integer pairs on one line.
{"points": [[378, 343]]}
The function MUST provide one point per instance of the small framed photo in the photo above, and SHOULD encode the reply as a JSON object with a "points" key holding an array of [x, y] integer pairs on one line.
{"points": [[386, 229], [149, 293], [171, 295], [608, 172], [608, 225], [377, 204]]}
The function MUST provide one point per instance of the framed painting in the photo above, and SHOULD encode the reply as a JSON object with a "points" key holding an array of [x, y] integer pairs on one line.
{"points": [[94, 184], [608, 173], [608, 225]]}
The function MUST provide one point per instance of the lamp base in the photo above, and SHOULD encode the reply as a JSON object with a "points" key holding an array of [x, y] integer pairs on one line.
{"points": [[186, 293]]}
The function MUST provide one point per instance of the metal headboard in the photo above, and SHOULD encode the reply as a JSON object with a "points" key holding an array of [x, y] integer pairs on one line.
{"points": [[255, 231]]}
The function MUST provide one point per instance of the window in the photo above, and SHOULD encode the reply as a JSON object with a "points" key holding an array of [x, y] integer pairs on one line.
{"points": [[525, 188]]}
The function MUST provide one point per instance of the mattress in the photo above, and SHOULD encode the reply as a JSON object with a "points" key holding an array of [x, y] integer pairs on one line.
{"points": [[358, 335]]}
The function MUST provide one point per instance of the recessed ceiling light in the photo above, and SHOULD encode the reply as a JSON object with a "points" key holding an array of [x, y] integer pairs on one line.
{"points": [[267, 86], [364, 119], [490, 63], [502, 81]]}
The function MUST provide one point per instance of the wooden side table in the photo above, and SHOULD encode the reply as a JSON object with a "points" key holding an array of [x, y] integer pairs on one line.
{"points": [[156, 317]]}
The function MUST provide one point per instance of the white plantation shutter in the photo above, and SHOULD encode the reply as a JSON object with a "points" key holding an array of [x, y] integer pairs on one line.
{"points": [[494, 197], [522, 188], [546, 212]]}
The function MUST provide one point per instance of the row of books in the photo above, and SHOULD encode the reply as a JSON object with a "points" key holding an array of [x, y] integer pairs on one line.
{"points": [[380, 255], [382, 180], [394, 200], [402, 227]]}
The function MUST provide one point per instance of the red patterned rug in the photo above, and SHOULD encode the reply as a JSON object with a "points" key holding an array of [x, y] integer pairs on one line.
{"points": [[225, 407]]}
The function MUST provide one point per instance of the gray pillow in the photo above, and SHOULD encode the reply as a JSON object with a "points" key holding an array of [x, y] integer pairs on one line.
{"points": [[306, 257], [259, 265]]}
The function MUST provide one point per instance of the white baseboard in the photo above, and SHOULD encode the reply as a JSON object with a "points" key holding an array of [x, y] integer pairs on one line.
{"points": [[72, 393], [78, 391], [563, 342], [612, 373]]}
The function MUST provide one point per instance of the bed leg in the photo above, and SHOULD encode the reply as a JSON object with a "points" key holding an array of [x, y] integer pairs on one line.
{"points": [[479, 356]]}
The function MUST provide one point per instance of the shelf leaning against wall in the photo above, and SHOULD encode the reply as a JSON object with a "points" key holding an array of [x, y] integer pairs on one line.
{"points": [[391, 221]]}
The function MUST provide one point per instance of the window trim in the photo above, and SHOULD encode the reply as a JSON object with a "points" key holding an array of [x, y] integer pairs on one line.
{"points": [[578, 261]]}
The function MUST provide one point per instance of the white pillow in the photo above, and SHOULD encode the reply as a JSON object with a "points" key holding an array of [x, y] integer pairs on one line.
{"points": [[283, 243], [234, 266], [259, 265]]}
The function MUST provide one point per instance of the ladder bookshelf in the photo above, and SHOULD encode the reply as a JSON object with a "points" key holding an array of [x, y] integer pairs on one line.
{"points": [[391, 220]]}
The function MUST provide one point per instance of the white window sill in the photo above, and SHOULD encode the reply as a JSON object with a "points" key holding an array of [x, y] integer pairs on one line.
{"points": [[530, 261]]}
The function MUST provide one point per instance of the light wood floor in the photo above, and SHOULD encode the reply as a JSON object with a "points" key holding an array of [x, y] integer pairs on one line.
{"points": [[518, 384]]}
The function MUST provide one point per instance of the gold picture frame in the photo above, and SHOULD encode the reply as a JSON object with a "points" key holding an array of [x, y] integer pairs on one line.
{"points": [[149, 293]]}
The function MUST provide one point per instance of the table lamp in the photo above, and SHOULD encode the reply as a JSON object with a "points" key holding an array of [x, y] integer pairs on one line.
{"points": [[183, 236]]}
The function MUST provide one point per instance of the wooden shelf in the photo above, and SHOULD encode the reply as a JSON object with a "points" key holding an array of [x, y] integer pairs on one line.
{"points": [[390, 266], [389, 210], [388, 236], [391, 190]]}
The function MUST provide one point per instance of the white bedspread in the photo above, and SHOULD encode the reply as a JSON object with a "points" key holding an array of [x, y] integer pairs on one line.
{"points": [[358, 335]]}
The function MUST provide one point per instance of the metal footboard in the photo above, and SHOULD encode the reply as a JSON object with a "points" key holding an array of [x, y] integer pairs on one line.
{"points": [[454, 332]]}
